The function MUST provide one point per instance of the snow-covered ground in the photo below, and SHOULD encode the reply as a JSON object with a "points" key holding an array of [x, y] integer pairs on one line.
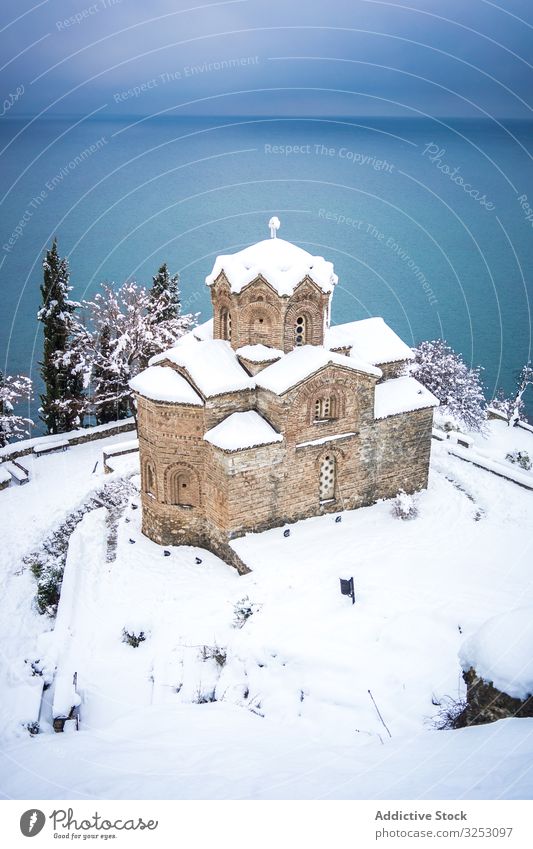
{"points": [[292, 716]]}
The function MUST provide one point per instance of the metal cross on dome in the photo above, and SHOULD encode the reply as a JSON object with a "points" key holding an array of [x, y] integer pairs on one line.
{"points": [[274, 225]]}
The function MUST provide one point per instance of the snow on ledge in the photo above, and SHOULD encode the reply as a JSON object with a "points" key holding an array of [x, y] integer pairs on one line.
{"points": [[501, 652], [281, 263], [401, 395], [324, 439], [242, 430], [301, 363], [162, 383], [259, 353]]}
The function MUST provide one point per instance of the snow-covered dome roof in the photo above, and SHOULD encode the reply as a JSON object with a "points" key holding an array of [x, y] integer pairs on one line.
{"points": [[281, 263]]}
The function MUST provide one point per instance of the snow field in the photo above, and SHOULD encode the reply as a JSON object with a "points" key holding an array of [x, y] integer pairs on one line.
{"points": [[293, 717]]}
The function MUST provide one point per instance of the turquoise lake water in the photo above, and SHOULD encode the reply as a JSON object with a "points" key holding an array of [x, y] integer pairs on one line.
{"points": [[380, 198]]}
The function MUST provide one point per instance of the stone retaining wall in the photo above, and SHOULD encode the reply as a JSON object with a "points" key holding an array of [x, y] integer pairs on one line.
{"points": [[485, 703]]}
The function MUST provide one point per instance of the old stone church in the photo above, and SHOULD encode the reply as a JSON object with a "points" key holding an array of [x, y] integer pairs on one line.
{"points": [[267, 414]]}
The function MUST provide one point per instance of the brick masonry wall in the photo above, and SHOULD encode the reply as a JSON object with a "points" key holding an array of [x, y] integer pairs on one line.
{"points": [[395, 369], [260, 315], [267, 486], [403, 448], [258, 488]]}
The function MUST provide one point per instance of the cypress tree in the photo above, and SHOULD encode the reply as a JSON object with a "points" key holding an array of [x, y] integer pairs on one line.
{"points": [[62, 401]]}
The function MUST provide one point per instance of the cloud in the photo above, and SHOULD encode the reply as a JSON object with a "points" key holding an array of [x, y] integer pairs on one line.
{"points": [[394, 60]]}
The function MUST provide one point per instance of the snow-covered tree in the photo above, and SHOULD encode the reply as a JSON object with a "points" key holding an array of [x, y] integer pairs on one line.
{"points": [[62, 401], [512, 406], [164, 294], [14, 389], [441, 370], [525, 379], [506, 404], [122, 329]]}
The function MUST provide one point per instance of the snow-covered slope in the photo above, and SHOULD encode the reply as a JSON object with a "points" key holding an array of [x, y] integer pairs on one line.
{"points": [[293, 715], [216, 751]]}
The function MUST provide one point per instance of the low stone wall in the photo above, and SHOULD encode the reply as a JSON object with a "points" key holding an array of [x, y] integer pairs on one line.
{"points": [[487, 704], [75, 437]]}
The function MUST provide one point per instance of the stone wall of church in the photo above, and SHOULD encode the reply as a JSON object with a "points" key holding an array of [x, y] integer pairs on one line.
{"points": [[258, 315], [201, 495], [403, 447], [392, 370]]}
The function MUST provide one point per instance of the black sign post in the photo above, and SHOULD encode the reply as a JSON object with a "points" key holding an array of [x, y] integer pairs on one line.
{"points": [[347, 588]]}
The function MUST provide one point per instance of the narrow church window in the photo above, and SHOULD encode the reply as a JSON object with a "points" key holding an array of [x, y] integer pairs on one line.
{"points": [[225, 325], [149, 480], [327, 478], [300, 330]]}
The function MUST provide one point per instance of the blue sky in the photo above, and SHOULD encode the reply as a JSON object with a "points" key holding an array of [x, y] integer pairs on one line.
{"points": [[349, 57]]}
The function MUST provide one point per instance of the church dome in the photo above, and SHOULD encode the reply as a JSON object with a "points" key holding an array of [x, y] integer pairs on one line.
{"points": [[282, 264]]}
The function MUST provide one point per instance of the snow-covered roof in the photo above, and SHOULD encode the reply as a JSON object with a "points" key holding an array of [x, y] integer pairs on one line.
{"points": [[501, 652], [281, 263], [203, 331], [371, 339], [401, 395], [259, 353], [302, 362], [162, 383], [212, 365], [242, 430]]}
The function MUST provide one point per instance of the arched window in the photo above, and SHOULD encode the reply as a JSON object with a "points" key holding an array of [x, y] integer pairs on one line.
{"points": [[182, 488], [225, 324], [300, 330], [149, 479], [328, 474], [325, 408]]}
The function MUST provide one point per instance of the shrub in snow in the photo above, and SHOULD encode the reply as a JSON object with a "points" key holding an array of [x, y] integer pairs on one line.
{"points": [[204, 697], [216, 653], [133, 638], [242, 612], [49, 591], [404, 506], [452, 714], [521, 458], [457, 386], [34, 728]]}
